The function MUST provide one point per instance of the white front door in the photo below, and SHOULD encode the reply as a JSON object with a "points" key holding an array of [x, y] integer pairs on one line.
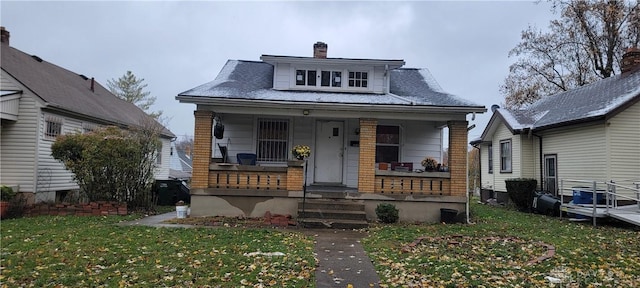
{"points": [[329, 150]]}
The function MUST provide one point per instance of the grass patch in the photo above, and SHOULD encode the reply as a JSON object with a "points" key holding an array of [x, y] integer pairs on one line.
{"points": [[495, 251], [67, 251]]}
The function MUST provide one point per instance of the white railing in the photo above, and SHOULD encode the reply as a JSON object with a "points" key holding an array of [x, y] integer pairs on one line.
{"points": [[611, 191]]}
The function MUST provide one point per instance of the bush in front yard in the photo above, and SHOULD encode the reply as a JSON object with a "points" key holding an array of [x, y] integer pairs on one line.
{"points": [[387, 213], [521, 191]]}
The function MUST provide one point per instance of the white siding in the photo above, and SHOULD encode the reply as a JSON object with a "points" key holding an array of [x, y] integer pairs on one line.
{"points": [[18, 141], [162, 171], [503, 133], [527, 156], [303, 134], [51, 174], [378, 80], [239, 137], [486, 178], [420, 140], [580, 151], [282, 76], [623, 132]]}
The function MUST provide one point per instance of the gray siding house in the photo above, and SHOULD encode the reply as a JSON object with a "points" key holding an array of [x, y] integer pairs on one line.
{"points": [[40, 101]]}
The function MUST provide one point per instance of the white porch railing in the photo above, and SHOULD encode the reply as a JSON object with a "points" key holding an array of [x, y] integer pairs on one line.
{"points": [[612, 193]]}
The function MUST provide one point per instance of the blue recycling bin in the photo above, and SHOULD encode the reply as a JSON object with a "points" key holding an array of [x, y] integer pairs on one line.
{"points": [[584, 195]]}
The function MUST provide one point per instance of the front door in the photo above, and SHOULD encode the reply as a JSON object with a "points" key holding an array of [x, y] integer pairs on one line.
{"points": [[328, 156], [550, 174]]}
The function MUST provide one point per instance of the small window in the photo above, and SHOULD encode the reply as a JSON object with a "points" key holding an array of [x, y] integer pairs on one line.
{"points": [[505, 156], [273, 138], [52, 128], [358, 79], [387, 143], [490, 158], [89, 127], [159, 154], [301, 77]]}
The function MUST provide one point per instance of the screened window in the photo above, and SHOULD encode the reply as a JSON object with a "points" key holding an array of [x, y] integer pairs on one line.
{"points": [[273, 138], [387, 143], [52, 128], [490, 158], [331, 78], [358, 79], [505, 156]]}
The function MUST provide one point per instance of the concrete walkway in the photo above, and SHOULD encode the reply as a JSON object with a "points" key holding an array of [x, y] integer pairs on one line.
{"points": [[341, 258]]}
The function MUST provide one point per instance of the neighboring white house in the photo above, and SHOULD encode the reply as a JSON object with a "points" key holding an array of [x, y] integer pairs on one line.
{"points": [[358, 116], [181, 163], [40, 101], [588, 133]]}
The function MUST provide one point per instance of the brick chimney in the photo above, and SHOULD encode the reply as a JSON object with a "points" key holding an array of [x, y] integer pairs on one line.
{"points": [[4, 35], [630, 60], [320, 50]]}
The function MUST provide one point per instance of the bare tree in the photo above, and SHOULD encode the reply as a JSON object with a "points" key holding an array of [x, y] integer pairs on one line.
{"points": [[584, 45]]}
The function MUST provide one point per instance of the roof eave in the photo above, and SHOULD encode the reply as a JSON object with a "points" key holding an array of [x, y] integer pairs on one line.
{"points": [[199, 100]]}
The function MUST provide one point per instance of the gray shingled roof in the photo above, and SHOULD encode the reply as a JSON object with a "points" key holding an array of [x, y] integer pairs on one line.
{"points": [[66, 90], [585, 103], [253, 80]]}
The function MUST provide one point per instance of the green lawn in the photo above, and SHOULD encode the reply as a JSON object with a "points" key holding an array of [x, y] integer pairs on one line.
{"points": [[494, 252], [93, 251], [497, 249]]}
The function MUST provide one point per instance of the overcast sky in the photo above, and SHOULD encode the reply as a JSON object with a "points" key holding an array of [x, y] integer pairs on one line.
{"points": [[176, 46]]}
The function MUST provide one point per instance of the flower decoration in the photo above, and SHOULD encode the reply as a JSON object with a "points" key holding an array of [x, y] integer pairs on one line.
{"points": [[429, 164], [301, 151]]}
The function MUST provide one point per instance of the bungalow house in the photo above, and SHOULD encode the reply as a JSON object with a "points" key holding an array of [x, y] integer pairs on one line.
{"points": [[40, 101], [589, 133], [369, 124]]}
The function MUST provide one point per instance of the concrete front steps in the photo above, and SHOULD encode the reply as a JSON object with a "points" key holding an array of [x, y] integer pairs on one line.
{"points": [[333, 214]]}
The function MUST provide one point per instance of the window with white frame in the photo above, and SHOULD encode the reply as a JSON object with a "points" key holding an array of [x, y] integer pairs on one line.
{"points": [[505, 156], [89, 127], [358, 79], [52, 127], [306, 77], [273, 140], [490, 158], [331, 78], [387, 143]]}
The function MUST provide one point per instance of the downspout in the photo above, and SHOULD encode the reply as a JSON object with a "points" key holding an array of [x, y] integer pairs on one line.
{"points": [[541, 160]]}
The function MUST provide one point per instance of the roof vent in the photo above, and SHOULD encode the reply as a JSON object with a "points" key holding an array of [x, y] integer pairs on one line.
{"points": [[630, 60], [495, 107], [83, 77], [36, 58]]}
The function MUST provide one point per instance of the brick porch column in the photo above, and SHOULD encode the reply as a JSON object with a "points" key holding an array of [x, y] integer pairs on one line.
{"points": [[367, 161], [202, 148], [458, 157]]}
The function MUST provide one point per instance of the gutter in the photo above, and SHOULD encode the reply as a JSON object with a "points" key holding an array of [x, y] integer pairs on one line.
{"points": [[199, 100]]}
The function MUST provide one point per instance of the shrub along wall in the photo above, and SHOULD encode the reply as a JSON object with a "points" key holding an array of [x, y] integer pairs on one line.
{"points": [[96, 208]]}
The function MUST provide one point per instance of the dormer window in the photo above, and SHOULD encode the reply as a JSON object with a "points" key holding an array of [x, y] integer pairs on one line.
{"points": [[306, 77], [331, 79], [358, 79]]}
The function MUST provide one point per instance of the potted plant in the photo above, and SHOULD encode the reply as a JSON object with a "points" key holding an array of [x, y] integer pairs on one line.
{"points": [[6, 195], [429, 164], [301, 152]]}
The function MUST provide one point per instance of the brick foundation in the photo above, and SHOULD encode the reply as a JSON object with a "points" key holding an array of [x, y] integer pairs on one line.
{"points": [[88, 209]]}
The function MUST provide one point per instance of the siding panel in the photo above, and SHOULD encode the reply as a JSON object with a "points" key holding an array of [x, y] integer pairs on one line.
{"points": [[624, 146]]}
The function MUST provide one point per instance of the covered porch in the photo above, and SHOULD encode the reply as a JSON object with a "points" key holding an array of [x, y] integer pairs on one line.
{"points": [[349, 153]]}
